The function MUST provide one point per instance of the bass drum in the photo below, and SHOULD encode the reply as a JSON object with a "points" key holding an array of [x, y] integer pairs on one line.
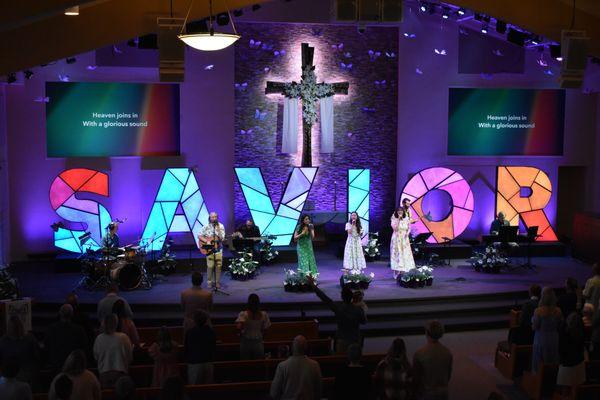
{"points": [[127, 274]]}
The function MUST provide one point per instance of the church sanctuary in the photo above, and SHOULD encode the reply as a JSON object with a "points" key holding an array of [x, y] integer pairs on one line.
{"points": [[300, 199]]}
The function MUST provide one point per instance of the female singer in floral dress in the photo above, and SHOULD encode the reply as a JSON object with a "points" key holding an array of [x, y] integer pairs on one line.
{"points": [[304, 236], [401, 257], [354, 258]]}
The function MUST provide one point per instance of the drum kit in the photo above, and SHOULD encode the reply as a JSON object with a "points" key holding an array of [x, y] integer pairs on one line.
{"points": [[124, 266]]}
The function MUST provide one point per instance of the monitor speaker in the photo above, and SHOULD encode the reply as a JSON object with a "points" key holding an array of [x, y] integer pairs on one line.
{"points": [[171, 50], [346, 10], [574, 54]]}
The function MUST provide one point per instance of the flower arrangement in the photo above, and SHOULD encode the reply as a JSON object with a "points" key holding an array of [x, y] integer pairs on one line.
{"points": [[356, 279], [489, 261], [416, 277], [309, 92], [267, 254], [372, 249], [297, 281], [243, 268], [8, 285]]}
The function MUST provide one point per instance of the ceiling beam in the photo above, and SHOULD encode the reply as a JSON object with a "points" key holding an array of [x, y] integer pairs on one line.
{"points": [[100, 24], [544, 17]]}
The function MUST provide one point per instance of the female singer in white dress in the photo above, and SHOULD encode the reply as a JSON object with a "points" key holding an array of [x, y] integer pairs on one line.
{"points": [[401, 257], [354, 258]]}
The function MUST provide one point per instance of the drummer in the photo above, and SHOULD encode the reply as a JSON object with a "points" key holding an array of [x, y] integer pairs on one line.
{"points": [[111, 240]]}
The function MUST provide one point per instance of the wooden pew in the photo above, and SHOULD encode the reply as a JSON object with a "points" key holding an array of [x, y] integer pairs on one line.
{"points": [[513, 364], [228, 333], [540, 384], [581, 392], [254, 370], [258, 390]]}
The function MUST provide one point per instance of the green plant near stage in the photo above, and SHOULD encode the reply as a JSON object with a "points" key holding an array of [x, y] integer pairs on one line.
{"points": [[243, 267]]}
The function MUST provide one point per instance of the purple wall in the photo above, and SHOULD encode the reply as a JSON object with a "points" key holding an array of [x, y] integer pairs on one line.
{"points": [[206, 140], [4, 237], [423, 116], [362, 139]]}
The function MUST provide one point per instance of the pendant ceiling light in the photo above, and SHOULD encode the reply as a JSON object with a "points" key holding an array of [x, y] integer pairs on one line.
{"points": [[211, 40]]}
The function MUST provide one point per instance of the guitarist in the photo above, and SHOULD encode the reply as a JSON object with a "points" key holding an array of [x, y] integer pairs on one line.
{"points": [[243, 233], [213, 234]]}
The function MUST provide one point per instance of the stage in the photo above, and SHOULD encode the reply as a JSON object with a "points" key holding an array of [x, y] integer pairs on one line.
{"points": [[460, 296]]}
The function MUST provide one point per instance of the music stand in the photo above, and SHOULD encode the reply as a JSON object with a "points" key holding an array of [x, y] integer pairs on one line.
{"points": [[419, 241], [532, 234]]}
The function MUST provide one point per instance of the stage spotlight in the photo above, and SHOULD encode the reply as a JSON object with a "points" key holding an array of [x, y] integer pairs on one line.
{"points": [[484, 29], [71, 60], [238, 13], [72, 11], [555, 52], [516, 37], [11, 78], [424, 7], [500, 26], [223, 19], [461, 11], [445, 12], [256, 7], [28, 73], [535, 40]]}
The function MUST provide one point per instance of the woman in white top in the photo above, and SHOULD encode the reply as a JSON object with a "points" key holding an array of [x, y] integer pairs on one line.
{"points": [[252, 323], [401, 257], [354, 258]]}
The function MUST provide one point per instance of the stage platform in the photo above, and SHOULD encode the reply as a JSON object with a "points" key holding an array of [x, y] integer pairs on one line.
{"points": [[459, 296]]}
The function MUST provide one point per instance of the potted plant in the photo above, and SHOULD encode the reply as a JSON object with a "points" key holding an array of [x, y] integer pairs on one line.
{"points": [[243, 268], [356, 279], [416, 277], [489, 261], [371, 250], [8, 285], [297, 281]]}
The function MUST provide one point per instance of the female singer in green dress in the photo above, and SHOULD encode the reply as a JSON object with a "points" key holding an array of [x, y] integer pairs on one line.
{"points": [[304, 236]]}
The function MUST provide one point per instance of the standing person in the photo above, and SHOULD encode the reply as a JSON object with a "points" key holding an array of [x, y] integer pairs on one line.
{"points": [[195, 298], [22, 347], [432, 365], [352, 381], [10, 387], [164, 353], [546, 323], [126, 324], [348, 316], [523, 333], [591, 291], [304, 236], [213, 234], [401, 257], [571, 371], [298, 377], [63, 337], [569, 301], [354, 257], [393, 374], [105, 305], [85, 384], [252, 323], [200, 346], [113, 352]]}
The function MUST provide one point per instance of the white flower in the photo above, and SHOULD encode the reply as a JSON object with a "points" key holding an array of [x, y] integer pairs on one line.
{"points": [[372, 275]]}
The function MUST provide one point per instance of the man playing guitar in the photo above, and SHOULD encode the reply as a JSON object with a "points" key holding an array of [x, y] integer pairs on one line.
{"points": [[211, 238]]}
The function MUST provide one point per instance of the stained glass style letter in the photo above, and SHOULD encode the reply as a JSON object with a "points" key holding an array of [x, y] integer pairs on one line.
{"points": [[358, 196], [178, 187], [282, 222], [527, 204], [462, 202], [91, 214]]}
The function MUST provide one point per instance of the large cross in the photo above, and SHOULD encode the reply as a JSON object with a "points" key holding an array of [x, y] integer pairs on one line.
{"points": [[305, 91]]}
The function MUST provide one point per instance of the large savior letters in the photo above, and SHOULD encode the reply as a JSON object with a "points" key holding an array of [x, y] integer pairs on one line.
{"points": [[358, 196], [280, 223], [439, 178], [91, 214], [178, 187], [524, 192]]}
